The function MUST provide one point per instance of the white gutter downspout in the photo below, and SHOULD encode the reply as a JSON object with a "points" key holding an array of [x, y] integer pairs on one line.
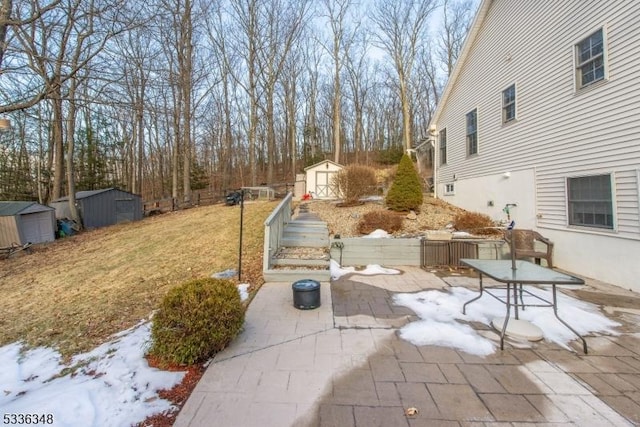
{"points": [[433, 131]]}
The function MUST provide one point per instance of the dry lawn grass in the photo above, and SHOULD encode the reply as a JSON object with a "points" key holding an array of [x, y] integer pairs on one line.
{"points": [[74, 293]]}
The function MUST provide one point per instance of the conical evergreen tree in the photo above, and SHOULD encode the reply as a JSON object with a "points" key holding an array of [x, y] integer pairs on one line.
{"points": [[405, 193]]}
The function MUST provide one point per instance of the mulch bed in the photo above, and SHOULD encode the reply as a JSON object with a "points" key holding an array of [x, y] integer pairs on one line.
{"points": [[178, 395]]}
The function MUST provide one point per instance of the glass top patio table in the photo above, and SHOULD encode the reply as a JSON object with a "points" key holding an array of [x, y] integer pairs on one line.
{"points": [[513, 274], [524, 273]]}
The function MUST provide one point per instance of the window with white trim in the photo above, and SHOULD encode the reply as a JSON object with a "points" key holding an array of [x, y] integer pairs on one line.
{"points": [[443, 146], [590, 201], [590, 56], [509, 104], [449, 190], [472, 132]]}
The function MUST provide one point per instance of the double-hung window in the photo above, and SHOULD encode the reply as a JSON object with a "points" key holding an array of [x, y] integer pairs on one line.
{"points": [[443, 146], [590, 59], [472, 132], [590, 201], [509, 104]]}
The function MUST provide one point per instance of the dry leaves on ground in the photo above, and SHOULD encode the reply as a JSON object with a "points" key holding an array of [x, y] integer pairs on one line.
{"points": [[434, 214]]}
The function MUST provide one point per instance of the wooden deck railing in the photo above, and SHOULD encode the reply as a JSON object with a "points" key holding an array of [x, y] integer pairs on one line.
{"points": [[274, 228]]}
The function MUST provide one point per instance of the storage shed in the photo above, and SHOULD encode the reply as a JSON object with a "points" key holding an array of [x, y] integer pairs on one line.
{"points": [[319, 179], [99, 208], [24, 222]]}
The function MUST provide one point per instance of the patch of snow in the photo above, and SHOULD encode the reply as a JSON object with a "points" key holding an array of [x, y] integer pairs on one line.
{"points": [[461, 234], [371, 199], [226, 274], [442, 322], [111, 385], [243, 289], [337, 271], [377, 234]]}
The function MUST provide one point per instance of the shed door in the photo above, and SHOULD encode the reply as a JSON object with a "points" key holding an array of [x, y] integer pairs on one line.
{"points": [[324, 189], [124, 210], [37, 227]]}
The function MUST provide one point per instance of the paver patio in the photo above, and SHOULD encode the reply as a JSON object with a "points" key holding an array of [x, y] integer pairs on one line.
{"points": [[343, 365]]}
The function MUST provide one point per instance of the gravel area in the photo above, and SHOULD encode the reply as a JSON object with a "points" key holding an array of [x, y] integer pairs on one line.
{"points": [[434, 214]]}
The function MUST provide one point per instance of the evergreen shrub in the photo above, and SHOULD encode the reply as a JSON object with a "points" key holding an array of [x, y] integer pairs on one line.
{"points": [[196, 320], [405, 193]]}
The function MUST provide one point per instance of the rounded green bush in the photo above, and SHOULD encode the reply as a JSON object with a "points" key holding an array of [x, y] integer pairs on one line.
{"points": [[405, 193], [196, 320]]}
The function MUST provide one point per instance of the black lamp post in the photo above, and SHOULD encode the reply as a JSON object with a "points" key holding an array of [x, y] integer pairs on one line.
{"points": [[241, 226]]}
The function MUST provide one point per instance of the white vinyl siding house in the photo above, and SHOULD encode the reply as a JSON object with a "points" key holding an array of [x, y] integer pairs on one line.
{"points": [[573, 68]]}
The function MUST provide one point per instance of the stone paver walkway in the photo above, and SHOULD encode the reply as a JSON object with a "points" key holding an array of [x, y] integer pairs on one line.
{"points": [[344, 365]]}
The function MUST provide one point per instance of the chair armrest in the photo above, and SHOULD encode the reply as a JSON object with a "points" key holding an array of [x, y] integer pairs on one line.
{"points": [[543, 239]]}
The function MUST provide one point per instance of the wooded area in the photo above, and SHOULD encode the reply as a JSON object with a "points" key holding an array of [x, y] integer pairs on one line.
{"points": [[165, 97]]}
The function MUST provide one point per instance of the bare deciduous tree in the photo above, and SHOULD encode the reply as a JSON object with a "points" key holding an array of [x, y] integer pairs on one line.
{"points": [[284, 21], [336, 11], [402, 30], [456, 19]]}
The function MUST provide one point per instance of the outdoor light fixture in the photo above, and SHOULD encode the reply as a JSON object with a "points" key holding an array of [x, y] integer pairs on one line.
{"points": [[506, 175]]}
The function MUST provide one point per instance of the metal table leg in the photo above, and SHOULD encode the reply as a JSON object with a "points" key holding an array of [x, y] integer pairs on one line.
{"points": [[555, 311], [464, 306]]}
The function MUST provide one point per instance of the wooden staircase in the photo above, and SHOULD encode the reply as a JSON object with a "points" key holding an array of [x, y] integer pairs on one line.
{"points": [[303, 251]]}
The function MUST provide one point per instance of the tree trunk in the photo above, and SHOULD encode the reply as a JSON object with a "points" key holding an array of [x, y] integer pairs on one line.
{"points": [[58, 146], [71, 181]]}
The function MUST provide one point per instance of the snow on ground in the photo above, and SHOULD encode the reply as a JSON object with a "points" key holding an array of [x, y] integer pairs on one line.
{"points": [[372, 199], [111, 385], [377, 234], [337, 271], [114, 386], [442, 322], [243, 288]]}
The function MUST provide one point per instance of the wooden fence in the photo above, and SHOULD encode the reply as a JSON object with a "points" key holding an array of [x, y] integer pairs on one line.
{"points": [[204, 198]]}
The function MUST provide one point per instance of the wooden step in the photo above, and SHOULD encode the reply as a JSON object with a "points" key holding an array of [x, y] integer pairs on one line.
{"points": [[297, 262], [307, 242], [289, 275]]}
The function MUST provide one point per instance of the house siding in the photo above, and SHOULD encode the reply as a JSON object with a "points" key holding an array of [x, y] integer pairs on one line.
{"points": [[560, 131]]}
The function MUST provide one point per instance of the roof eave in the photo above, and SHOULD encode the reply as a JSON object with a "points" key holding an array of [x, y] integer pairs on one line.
{"points": [[478, 20]]}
